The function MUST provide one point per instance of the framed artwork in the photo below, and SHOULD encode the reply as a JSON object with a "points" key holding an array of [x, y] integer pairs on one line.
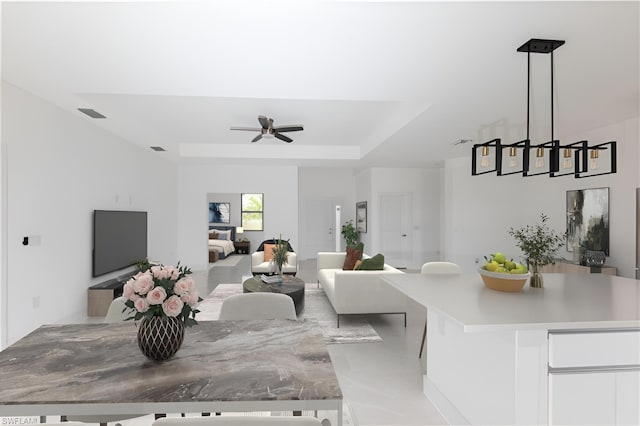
{"points": [[219, 212], [588, 220], [361, 217]]}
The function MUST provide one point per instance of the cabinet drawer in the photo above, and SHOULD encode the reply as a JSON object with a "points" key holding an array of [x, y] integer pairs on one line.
{"points": [[594, 349]]}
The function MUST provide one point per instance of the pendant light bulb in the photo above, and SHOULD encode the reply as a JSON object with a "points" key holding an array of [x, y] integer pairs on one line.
{"points": [[593, 161], [539, 158], [513, 159], [567, 163], [484, 162]]}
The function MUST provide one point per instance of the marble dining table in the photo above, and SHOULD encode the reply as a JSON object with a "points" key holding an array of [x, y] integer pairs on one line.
{"points": [[222, 366]]}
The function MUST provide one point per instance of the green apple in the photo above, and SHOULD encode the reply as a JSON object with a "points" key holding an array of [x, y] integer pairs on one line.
{"points": [[499, 257], [491, 266], [519, 269], [510, 264], [501, 270]]}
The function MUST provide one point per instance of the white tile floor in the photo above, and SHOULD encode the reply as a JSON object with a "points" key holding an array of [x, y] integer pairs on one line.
{"points": [[381, 382]]}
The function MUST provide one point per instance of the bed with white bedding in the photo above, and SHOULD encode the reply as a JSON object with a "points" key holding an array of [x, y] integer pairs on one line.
{"points": [[221, 240], [223, 247]]}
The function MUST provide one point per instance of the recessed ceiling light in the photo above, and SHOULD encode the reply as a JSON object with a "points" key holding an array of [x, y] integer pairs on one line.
{"points": [[91, 112], [157, 148]]}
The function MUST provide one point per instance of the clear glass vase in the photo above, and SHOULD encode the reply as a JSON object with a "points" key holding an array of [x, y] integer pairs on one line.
{"points": [[536, 280]]}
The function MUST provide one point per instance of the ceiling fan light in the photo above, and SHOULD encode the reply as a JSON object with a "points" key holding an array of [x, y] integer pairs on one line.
{"points": [[268, 135]]}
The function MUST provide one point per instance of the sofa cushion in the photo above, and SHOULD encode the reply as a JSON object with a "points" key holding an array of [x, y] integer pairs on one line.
{"points": [[376, 263], [354, 253], [268, 252]]}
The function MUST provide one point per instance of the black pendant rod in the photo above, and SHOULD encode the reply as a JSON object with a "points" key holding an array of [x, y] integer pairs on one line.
{"points": [[528, 88], [552, 138]]}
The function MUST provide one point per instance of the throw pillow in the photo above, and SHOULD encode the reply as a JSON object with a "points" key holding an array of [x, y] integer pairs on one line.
{"points": [[358, 262], [375, 263], [354, 253], [213, 236], [268, 252]]}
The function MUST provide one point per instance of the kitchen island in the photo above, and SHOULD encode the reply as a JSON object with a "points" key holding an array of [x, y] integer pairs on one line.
{"points": [[565, 354]]}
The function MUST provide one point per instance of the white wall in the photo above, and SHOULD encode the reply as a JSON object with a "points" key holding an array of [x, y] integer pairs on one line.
{"points": [[60, 168], [3, 223], [424, 188], [325, 187], [479, 210], [278, 184]]}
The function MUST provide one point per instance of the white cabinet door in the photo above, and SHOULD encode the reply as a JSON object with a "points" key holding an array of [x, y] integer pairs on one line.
{"points": [[582, 399], [609, 398], [628, 398]]}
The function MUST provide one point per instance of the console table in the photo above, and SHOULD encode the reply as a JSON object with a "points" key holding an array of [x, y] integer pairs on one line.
{"points": [[575, 268], [100, 295]]}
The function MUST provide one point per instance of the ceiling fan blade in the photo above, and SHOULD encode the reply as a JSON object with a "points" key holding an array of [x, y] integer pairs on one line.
{"points": [[250, 129], [257, 138], [290, 128], [282, 137], [264, 121]]}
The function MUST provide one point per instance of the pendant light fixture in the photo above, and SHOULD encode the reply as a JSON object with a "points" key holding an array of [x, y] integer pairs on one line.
{"points": [[547, 158]]}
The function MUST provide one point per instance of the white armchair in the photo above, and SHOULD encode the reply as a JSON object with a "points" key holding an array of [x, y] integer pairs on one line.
{"points": [[261, 266]]}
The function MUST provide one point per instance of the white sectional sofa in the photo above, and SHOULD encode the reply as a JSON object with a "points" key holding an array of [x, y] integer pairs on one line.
{"points": [[358, 292]]}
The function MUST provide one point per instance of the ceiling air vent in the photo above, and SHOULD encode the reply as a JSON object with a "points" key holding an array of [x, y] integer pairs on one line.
{"points": [[157, 148], [91, 112]]}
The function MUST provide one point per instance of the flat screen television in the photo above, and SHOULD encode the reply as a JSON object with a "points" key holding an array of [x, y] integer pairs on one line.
{"points": [[119, 240]]}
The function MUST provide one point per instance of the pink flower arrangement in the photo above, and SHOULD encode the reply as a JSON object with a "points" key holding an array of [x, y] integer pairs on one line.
{"points": [[162, 291]]}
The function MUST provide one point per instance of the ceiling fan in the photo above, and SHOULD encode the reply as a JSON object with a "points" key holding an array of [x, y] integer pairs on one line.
{"points": [[268, 131]]}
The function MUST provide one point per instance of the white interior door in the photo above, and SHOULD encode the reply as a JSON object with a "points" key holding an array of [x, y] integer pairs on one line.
{"points": [[395, 238], [317, 226]]}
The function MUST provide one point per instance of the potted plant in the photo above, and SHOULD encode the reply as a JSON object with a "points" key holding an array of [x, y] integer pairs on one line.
{"points": [[280, 253], [539, 243], [350, 233]]}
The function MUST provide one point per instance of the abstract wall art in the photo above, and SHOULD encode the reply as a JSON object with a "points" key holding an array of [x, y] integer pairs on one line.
{"points": [[588, 220], [219, 212]]}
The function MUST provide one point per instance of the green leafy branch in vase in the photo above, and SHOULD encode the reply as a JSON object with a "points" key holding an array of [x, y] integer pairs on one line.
{"points": [[538, 242]]}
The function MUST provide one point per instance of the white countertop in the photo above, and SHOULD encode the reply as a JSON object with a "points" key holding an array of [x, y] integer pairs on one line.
{"points": [[567, 301]]}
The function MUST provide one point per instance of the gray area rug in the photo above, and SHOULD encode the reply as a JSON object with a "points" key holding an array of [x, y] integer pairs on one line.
{"points": [[353, 328], [231, 260]]}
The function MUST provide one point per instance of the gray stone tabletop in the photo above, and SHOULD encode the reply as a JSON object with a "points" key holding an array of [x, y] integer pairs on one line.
{"points": [[218, 361]]}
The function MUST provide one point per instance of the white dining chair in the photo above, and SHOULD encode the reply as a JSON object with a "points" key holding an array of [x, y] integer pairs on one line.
{"points": [[118, 311], [240, 420], [441, 268], [258, 306], [114, 314], [436, 268]]}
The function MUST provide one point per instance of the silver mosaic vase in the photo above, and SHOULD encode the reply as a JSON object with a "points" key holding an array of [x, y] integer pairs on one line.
{"points": [[160, 338]]}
